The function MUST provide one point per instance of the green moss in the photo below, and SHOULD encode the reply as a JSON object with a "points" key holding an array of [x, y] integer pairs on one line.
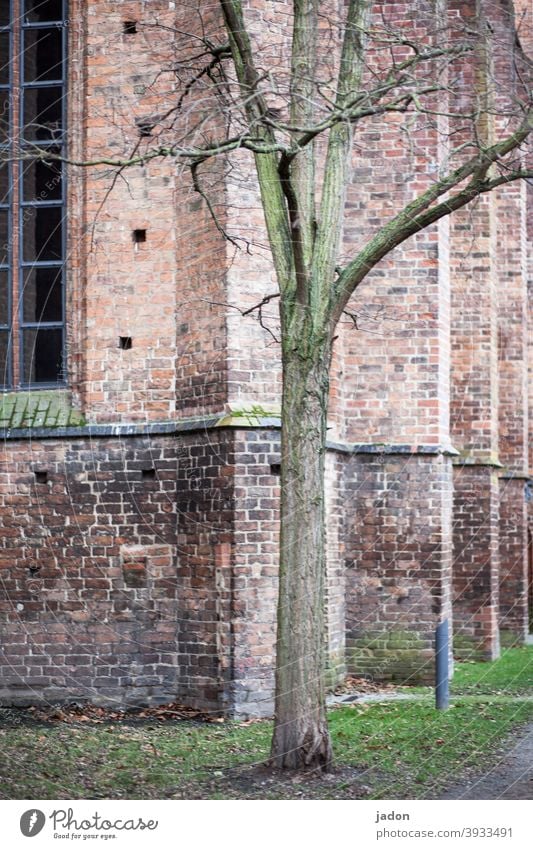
{"points": [[251, 416], [335, 670], [467, 648], [394, 656], [32, 409], [509, 639]]}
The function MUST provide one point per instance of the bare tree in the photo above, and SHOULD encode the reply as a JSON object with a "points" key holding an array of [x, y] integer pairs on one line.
{"points": [[303, 196], [344, 64]]}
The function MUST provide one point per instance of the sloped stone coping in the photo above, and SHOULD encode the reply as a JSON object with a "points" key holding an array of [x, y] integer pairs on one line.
{"points": [[36, 410], [56, 422]]}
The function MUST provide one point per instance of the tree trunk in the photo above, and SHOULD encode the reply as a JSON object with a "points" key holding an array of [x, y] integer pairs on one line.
{"points": [[301, 738]]}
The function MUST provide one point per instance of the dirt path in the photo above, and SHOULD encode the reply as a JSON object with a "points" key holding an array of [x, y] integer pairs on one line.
{"points": [[510, 778]]}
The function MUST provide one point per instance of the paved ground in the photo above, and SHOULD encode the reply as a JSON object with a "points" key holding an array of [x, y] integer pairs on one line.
{"points": [[510, 778]]}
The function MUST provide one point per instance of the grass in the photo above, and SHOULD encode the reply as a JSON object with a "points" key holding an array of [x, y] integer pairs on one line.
{"points": [[393, 750], [413, 751], [511, 674]]}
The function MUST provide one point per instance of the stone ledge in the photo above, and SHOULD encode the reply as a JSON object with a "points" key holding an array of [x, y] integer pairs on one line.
{"points": [[391, 448], [478, 458], [251, 419]]}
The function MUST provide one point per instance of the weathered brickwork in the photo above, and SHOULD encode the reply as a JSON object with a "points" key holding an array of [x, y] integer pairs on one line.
{"points": [[511, 218], [395, 392], [476, 573], [513, 566], [129, 239], [257, 458], [140, 504], [513, 412], [88, 561], [474, 431], [336, 514], [205, 542], [398, 550]]}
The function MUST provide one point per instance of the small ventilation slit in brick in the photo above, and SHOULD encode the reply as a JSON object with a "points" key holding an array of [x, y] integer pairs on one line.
{"points": [[275, 468], [41, 477], [145, 128], [130, 27], [148, 474], [139, 236], [125, 343]]}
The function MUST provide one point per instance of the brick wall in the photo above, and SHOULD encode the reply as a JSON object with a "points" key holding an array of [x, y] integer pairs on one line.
{"points": [[255, 569], [205, 542], [132, 588], [395, 394], [88, 564], [476, 561], [514, 620], [129, 232], [474, 430], [146, 261], [398, 555], [512, 347]]}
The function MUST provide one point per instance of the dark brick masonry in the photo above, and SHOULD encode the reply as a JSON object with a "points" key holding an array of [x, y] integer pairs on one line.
{"points": [[88, 565]]}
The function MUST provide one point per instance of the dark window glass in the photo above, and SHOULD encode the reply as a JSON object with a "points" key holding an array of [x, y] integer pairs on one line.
{"points": [[4, 183], [43, 113], [4, 58], [42, 355], [42, 180], [4, 236], [5, 13], [43, 54], [43, 295], [42, 233], [4, 116], [38, 11], [32, 98], [4, 297], [5, 337]]}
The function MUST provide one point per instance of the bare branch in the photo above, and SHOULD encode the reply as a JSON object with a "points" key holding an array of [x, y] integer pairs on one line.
{"points": [[267, 166], [420, 213], [198, 188]]}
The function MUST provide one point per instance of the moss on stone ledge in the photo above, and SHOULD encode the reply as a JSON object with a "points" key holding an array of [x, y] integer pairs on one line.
{"points": [[33, 409]]}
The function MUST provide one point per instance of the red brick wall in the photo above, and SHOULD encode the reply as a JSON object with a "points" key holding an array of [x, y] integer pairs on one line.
{"points": [[129, 289], [474, 418], [398, 550], [476, 561], [512, 360], [255, 569], [88, 562], [161, 587], [164, 293], [513, 565], [396, 365], [395, 393], [205, 542]]}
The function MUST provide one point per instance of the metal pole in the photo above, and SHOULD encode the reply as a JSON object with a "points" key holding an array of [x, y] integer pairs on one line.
{"points": [[442, 648]]}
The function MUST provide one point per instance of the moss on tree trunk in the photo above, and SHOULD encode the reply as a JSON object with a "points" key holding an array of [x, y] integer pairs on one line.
{"points": [[301, 738]]}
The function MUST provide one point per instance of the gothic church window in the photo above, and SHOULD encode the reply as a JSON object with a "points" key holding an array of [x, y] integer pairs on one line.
{"points": [[33, 42]]}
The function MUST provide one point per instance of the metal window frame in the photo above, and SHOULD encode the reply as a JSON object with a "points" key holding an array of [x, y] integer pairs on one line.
{"points": [[17, 32], [8, 383]]}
